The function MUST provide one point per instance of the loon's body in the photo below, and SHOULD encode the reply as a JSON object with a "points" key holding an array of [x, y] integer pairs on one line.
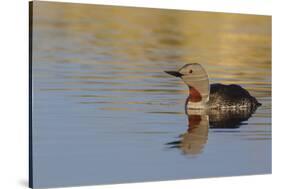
{"points": [[230, 97], [202, 95]]}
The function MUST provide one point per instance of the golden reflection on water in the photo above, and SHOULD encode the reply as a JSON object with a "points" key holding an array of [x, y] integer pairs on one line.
{"points": [[232, 47], [100, 94], [113, 58]]}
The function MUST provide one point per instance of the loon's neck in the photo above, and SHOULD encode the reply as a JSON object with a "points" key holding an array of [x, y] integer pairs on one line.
{"points": [[199, 92]]}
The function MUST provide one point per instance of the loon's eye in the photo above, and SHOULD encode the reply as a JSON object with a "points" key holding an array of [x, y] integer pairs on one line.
{"points": [[190, 71]]}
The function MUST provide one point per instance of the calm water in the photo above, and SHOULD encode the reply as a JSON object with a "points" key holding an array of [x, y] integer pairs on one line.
{"points": [[105, 112]]}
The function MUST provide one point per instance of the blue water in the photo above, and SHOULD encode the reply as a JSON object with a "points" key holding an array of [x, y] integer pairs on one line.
{"points": [[104, 111]]}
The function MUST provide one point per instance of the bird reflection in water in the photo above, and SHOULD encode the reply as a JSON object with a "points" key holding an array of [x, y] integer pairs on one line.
{"points": [[193, 141]]}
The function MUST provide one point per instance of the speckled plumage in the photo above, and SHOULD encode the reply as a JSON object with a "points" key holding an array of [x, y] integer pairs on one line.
{"points": [[230, 97]]}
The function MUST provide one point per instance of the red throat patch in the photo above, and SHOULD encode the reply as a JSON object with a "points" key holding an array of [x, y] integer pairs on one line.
{"points": [[194, 95]]}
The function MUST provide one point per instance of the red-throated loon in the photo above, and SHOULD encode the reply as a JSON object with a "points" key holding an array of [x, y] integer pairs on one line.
{"points": [[214, 96]]}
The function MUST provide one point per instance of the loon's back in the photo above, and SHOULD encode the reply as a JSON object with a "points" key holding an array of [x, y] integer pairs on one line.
{"points": [[231, 97]]}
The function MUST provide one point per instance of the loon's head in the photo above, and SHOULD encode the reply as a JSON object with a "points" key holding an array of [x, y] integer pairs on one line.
{"points": [[196, 78], [190, 73]]}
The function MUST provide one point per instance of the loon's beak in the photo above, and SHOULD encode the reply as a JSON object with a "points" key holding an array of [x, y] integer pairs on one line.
{"points": [[174, 73]]}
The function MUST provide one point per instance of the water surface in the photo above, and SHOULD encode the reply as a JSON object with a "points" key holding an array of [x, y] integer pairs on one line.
{"points": [[105, 112]]}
